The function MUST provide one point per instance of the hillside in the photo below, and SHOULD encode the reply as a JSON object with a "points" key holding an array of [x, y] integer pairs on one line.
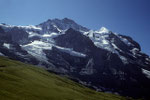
{"points": [[19, 81]]}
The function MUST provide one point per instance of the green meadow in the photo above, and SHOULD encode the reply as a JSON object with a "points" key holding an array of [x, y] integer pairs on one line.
{"points": [[19, 81]]}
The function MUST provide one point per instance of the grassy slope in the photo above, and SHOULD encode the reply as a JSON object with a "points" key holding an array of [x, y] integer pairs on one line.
{"points": [[19, 81]]}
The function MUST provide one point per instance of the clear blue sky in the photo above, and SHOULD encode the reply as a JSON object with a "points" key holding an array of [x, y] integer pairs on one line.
{"points": [[129, 17]]}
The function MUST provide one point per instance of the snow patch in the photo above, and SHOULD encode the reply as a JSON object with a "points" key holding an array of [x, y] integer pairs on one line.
{"points": [[125, 41], [32, 34], [100, 40], [103, 30], [6, 45], [89, 34], [115, 47], [124, 59], [1, 54], [31, 27], [134, 51], [146, 72], [57, 28], [147, 59], [52, 35], [105, 42], [36, 49], [71, 51]]}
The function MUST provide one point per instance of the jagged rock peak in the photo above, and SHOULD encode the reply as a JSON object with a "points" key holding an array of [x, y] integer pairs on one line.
{"points": [[62, 24]]}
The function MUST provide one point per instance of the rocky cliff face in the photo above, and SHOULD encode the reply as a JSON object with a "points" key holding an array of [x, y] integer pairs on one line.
{"points": [[102, 60]]}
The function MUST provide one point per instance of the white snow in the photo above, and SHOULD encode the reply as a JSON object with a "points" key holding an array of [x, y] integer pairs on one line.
{"points": [[32, 34], [71, 51], [146, 72], [147, 59], [6, 45], [105, 46], [31, 27], [52, 35], [99, 39], [40, 44], [46, 35], [36, 49], [124, 59], [125, 41], [134, 51], [28, 27], [57, 28], [115, 47], [105, 42], [90, 34], [103, 30], [1, 54]]}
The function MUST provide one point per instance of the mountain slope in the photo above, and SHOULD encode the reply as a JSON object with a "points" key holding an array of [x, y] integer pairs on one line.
{"points": [[100, 59], [19, 81]]}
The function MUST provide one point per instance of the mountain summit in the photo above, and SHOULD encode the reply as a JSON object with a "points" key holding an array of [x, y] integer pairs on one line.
{"points": [[101, 59], [57, 25]]}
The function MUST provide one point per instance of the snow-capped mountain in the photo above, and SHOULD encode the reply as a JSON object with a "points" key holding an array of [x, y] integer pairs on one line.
{"points": [[100, 59]]}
